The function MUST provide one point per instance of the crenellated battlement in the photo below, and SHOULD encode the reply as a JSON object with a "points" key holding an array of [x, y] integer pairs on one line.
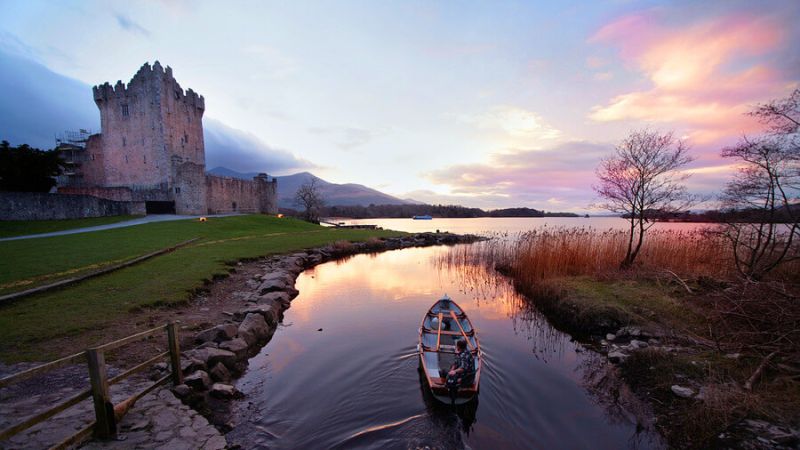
{"points": [[150, 79]]}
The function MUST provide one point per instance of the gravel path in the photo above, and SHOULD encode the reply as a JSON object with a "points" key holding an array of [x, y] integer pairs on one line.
{"points": [[128, 223]]}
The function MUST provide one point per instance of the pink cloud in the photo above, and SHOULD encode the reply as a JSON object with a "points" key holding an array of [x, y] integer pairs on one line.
{"points": [[703, 76], [561, 175]]}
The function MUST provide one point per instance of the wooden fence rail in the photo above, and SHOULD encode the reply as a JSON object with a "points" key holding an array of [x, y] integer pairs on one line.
{"points": [[106, 413]]}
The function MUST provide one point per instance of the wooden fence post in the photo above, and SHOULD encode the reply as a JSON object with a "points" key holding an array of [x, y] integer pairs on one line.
{"points": [[105, 426], [174, 354]]}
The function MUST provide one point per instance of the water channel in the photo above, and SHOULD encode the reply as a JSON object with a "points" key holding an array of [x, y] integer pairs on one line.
{"points": [[342, 369]]}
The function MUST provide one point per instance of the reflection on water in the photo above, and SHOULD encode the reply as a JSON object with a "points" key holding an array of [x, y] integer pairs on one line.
{"points": [[513, 225], [356, 383]]}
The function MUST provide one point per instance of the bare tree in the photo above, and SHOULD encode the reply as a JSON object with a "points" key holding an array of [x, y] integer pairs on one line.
{"points": [[762, 199], [309, 197], [641, 180]]}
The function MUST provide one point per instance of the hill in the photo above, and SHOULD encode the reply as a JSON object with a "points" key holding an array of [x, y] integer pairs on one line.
{"points": [[349, 194]]}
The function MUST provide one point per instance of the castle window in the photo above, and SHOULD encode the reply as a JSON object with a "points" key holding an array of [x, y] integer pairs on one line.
{"points": [[124, 110], [177, 190], [145, 159], [124, 142], [185, 138], [126, 158], [92, 156]]}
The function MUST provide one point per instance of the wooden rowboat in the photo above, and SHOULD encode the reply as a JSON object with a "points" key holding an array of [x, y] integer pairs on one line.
{"points": [[443, 324]]}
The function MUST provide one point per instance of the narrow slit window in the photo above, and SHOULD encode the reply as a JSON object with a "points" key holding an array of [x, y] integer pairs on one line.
{"points": [[125, 111]]}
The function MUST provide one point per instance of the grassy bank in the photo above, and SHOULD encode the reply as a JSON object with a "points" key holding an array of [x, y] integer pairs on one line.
{"points": [[95, 305], [733, 343], [10, 228]]}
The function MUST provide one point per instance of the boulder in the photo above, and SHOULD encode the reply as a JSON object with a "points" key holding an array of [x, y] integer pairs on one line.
{"points": [[221, 390], [182, 391], [198, 380], [218, 355], [268, 312], [212, 356], [238, 346], [219, 333], [190, 363], [610, 337], [617, 357], [273, 285], [638, 344], [253, 329], [220, 373], [281, 298], [682, 392]]}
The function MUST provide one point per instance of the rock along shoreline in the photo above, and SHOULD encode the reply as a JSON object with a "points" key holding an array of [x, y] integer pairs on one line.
{"points": [[222, 352]]}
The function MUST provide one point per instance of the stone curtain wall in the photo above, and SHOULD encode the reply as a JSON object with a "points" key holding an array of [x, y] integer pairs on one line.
{"points": [[38, 206], [222, 192], [121, 194]]}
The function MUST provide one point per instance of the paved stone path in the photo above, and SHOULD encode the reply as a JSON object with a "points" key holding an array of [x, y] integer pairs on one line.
{"points": [[157, 420], [160, 421], [127, 223]]}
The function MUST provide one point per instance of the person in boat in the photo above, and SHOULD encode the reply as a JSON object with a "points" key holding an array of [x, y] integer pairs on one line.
{"points": [[462, 372]]}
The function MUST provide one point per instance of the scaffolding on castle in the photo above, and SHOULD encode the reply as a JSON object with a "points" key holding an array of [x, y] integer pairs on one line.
{"points": [[71, 146], [73, 138]]}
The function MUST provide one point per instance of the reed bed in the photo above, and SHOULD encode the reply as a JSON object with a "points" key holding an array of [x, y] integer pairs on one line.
{"points": [[557, 252]]}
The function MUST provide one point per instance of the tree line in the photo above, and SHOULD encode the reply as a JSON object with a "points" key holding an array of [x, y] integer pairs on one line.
{"points": [[405, 211]]}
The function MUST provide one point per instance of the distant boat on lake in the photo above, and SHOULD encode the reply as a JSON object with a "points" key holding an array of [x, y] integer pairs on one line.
{"points": [[425, 217]]}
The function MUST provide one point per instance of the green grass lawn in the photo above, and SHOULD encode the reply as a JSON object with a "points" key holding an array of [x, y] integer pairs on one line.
{"points": [[11, 228], [167, 279], [31, 262]]}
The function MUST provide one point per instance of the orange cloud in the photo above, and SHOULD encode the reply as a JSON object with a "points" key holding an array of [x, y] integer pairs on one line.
{"points": [[704, 76]]}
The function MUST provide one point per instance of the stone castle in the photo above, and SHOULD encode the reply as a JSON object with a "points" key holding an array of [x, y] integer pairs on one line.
{"points": [[151, 150]]}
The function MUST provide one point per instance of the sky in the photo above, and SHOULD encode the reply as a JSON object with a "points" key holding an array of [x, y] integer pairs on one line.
{"points": [[487, 104]]}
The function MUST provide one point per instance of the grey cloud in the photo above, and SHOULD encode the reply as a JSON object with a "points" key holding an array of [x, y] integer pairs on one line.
{"points": [[244, 152], [37, 103]]}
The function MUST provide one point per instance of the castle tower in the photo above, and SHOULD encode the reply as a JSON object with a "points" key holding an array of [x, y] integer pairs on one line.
{"points": [[149, 127]]}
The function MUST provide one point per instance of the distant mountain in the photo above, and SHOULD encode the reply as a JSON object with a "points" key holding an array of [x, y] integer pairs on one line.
{"points": [[225, 172], [349, 194]]}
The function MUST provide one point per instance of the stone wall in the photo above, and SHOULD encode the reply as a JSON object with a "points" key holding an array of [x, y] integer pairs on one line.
{"points": [[268, 194], [226, 194], [120, 194], [40, 206], [147, 123], [190, 189]]}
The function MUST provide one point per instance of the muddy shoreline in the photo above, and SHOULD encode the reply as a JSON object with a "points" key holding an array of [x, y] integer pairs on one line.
{"points": [[637, 347]]}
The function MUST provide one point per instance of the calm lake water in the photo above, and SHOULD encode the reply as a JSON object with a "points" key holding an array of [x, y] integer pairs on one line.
{"points": [[511, 225], [342, 370]]}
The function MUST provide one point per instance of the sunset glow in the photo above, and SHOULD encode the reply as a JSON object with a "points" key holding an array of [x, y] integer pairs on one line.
{"points": [[475, 104]]}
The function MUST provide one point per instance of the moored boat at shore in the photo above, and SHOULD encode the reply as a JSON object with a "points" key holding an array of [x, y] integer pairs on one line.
{"points": [[444, 324]]}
